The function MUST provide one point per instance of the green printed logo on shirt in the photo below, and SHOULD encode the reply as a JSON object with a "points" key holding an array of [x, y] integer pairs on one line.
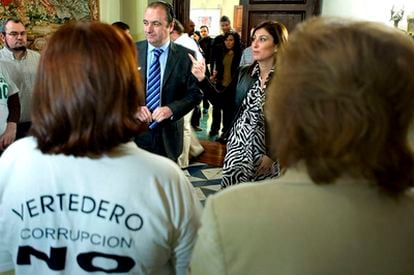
{"points": [[4, 88]]}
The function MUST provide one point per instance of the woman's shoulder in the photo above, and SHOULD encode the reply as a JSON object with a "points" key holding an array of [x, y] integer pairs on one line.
{"points": [[21, 147], [245, 73], [247, 68]]}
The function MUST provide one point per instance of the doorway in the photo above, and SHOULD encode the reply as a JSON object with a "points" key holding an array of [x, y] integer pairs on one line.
{"points": [[247, 13], [209, 13]]}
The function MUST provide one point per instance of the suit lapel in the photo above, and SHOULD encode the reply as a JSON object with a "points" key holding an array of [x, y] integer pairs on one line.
{"points": [[171, 61], [142, 55]]}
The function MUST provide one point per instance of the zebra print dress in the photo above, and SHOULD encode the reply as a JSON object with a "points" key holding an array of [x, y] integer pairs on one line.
{"points": [[246, 142]]}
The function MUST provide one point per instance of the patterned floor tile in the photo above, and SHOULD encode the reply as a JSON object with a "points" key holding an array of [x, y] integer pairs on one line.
{"points": [[204, 178]]}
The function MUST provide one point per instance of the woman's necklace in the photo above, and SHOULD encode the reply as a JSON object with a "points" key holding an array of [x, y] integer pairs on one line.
{"points": [[264, 77], [264, 74]]}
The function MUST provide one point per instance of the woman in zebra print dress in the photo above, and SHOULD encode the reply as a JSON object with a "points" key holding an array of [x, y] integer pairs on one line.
{"points": [[246, 158]]}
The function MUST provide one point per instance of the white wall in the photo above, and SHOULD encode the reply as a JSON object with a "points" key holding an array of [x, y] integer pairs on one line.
{"points": [[109, 11], [225, 7], [132, 11], [373, 10], [129, 11]]}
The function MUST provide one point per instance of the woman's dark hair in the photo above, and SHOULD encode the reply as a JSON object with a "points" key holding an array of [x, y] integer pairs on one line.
{"points": [[237, 48], [87, 91], [277, 30], [198, 34]]}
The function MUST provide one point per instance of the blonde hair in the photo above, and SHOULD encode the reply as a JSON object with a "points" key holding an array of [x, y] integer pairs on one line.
{"points": [[342, 102]]}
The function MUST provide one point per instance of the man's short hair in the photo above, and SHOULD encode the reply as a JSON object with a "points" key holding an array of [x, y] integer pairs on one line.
{"points": [[178, 27], [167, 7], [6, 21], [121, 25], [224, 18]]}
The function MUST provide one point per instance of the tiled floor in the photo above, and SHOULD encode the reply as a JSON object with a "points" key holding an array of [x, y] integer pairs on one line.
{"points": [[205, 122], [205, 179]]}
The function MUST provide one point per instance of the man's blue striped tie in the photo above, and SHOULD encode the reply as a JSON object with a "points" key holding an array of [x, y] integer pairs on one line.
{"points": [[154, 83]]}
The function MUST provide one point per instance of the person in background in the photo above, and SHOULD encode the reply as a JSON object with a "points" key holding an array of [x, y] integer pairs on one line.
{"points": [[14, 37], [206, 45], [247, 157], [189, 28], [196, 36], [178, 36], [79, 192], [226, 71], [189, 31], [339, 124], [123, 26], [9, 104], [191, 144], [217, 47], [178, 93], [247, 55]]}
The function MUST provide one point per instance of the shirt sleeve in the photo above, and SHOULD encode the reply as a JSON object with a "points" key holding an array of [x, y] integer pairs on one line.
{"points": [[208, 255], [14, 77], [13, 104]]}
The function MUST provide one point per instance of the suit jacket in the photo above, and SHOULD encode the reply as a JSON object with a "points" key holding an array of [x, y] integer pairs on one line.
{"points": [[206, 45], [179, 92]]}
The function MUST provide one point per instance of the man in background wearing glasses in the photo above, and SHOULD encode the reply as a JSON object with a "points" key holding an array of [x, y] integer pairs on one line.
{"points": [[14, 37]]}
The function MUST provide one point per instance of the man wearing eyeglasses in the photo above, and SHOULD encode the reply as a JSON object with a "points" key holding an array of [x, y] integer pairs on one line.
{"points": [[14, 37]]}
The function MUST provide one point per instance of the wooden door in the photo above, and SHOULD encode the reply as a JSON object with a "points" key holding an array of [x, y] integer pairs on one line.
{"points": [[181, 10], [288, 12], [238, 18]]}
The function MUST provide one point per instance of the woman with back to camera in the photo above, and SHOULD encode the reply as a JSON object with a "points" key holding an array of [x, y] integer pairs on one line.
{"points": [[247, 158], [79, 196], [340, 109]]}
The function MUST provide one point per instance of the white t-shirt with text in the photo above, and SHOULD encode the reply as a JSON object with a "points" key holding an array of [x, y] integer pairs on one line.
{"points": [[129, 212]]}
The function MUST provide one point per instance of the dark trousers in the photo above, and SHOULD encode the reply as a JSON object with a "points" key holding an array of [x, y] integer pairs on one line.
{"points": [[206, 104], [216, 121], [151, 141], [218, 109], [195, 117]]}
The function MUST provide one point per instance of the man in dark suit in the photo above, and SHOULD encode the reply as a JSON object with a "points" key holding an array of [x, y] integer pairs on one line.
{"points": [[179, 92], [216, 65], [206, 43]]}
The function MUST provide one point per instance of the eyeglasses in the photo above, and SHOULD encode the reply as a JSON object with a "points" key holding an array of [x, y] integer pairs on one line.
{"points": [[16, 34]]}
